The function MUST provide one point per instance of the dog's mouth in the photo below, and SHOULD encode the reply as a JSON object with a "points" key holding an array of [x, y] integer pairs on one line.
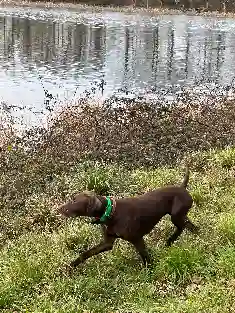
{"points": [[68, 210], [63, 211]]}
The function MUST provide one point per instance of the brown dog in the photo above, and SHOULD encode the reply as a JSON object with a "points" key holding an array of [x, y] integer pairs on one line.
{"points": [[132, 218]]}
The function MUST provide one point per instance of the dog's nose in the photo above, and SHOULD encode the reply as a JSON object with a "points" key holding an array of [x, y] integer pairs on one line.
{"points": [[61, 210]]}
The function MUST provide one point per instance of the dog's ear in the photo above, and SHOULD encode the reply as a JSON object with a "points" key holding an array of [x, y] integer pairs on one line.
{"points": [[94, 205]]}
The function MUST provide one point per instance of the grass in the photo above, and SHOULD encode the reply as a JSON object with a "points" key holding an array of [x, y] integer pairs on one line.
{"points": [[195, 275]]}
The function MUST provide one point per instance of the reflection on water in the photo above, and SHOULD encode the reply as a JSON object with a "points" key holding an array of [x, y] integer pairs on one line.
{"points": [[42, 51]]}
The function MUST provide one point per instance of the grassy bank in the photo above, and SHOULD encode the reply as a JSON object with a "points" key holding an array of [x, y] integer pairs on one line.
{"points": [[123, 150], [195, 275]]}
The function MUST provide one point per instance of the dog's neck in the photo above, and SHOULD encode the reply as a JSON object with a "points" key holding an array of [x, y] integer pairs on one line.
{"points": [[98, 205], [101, 205]]}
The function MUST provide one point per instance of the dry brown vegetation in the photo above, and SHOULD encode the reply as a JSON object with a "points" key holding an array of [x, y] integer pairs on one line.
{"points": [[136, 133]]}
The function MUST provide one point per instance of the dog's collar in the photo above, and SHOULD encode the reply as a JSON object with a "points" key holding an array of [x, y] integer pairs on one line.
{"points": [[109, 210]]}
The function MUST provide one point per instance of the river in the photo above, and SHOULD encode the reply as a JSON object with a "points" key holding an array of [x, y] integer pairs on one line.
{"points": [[64, 52]]}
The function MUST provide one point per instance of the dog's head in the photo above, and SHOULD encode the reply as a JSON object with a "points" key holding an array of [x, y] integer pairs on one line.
{"points": [[83, 204]]}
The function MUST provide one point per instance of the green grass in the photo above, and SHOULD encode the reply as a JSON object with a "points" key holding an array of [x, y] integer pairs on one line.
{"points": [[196, 274]]}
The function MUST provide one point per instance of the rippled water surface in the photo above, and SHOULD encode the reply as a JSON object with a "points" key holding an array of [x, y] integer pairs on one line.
{"points": [[64, 52]]}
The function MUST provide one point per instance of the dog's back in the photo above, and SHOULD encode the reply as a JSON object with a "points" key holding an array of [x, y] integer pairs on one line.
{"points": [[168, 193], [140, 214]]}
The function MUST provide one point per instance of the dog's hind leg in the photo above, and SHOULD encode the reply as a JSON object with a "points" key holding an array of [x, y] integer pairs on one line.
{"points": [[178, 218], [142, 250], [173, 237], [181, 222], [190, 226]]}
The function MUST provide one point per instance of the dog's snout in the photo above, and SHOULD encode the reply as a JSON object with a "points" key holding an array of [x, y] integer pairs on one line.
{"points": [[62, 210]]}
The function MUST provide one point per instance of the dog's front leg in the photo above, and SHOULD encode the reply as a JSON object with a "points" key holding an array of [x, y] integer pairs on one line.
{"points": [[102, 247]]}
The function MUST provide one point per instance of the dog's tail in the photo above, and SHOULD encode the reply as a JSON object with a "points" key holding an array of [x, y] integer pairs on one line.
{"points": [[186, 178]]}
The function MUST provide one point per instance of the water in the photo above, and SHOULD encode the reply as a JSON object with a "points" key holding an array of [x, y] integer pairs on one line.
{"points": [[65, 51]]}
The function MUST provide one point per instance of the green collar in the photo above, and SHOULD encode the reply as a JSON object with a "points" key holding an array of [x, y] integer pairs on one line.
{"points": [[108, 210]]}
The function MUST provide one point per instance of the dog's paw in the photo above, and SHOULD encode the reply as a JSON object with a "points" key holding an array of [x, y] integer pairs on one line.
{"points": [[64, 270], [69, 269], [168, 243], [195, 229], [75, 263]]}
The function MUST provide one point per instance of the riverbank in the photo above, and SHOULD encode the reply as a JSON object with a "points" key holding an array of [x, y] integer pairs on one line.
{"points": [[124, 9], [43, 168]]}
